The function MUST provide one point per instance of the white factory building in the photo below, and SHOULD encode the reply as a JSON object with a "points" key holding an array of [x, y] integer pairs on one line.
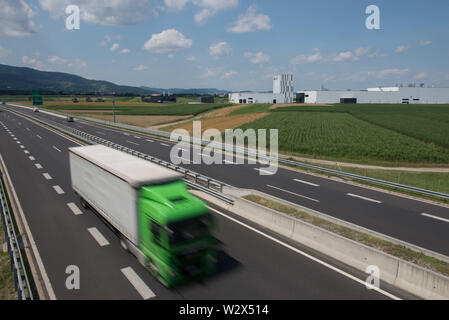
{"points": [[405, 95], [282, 92]]}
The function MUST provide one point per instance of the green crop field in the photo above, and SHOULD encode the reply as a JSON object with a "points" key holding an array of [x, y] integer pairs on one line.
{"points": [[163, 109], [363, 133]]}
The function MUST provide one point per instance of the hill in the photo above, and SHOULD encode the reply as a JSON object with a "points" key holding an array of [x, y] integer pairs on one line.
{"points": [[27, 79]]}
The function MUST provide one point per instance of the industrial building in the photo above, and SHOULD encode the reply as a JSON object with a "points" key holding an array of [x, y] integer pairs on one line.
{"points": [[393, 95], [282, 92]]}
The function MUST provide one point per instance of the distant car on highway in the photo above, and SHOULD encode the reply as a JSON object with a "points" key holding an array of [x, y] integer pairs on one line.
{"points": [[36, 110], [3, 102], [70, 119]]}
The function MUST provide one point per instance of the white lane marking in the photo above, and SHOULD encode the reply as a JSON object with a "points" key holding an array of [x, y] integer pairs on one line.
{"points": [[58, 190], [99, 132], [295, 194], [76, 211], [37, 165], [229, 162], [14, 138], [32, 158], [136, 144], [126, 134], [18, 142], [56, 149], [38, 136], [434, 217], [306, 182], [138, 283], [26, 151], [22, 147], [137, 137], [264, 171], [363, 198], [28, 129], [325, 264], [149, 140], [164, 144], [102, 241], [47, 176]]}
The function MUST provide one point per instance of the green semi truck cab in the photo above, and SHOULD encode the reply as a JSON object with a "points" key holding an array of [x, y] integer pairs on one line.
{"points": [[175, 233]]}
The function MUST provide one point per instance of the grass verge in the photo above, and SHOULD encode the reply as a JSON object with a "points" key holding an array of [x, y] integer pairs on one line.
{"points": [[393, 249]]}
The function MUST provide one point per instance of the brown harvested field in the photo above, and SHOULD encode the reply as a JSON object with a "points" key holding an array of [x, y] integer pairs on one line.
{"points": [[220, 123], [138, 121], [222, 112], [298, 105]]}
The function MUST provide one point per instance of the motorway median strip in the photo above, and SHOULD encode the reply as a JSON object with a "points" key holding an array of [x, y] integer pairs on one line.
{"points": [[393, 249]]}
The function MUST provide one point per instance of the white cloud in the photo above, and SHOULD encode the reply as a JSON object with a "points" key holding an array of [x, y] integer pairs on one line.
{"points": [[386, 73], [300, 59], [167, 42], [425, 42], [4, 52], [114, 47], [77, 63], [228, 75], [141, 68], [125, 51], [420, 76], [344, 56], [251, 22], [211, 7], [257, 58], [210, 73], [377, 54], [16, 18], [220, 49], [402, 48], [56, 60], [191, 58], [110, 12], [33, 62], [177, 5]]}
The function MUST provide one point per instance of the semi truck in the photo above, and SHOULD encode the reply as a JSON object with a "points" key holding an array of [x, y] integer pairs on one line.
{"points": [[150, 209]]}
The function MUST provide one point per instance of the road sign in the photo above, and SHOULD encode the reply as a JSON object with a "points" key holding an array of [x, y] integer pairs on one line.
{"points": [[37, 98]]}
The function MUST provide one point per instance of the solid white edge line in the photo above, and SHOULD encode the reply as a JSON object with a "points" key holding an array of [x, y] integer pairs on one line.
{"points": [[325, 264], [306, 182], [363, 198], [295, 194], [101, 240], [76, 211], [434, 217], [145, 292], [31, 242]]}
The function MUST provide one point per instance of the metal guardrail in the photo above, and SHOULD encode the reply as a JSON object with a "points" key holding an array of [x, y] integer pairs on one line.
{"points": [[21, 282], [193, 179]]}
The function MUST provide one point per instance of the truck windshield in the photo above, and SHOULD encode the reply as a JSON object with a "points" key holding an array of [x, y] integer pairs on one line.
{"points": [[187, 230]]}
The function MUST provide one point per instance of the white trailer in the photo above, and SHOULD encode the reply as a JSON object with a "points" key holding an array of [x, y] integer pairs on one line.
{"points": [[109, 181]]}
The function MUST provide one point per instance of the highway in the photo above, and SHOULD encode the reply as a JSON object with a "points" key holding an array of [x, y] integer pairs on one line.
{"points": [[254, 263], [419, 223]]}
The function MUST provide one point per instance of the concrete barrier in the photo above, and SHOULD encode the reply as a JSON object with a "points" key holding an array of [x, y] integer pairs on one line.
{"points": [[407, 276]]}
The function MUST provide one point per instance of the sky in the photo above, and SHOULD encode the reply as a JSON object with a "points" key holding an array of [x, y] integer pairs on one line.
{"points": [[232, 44]]}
